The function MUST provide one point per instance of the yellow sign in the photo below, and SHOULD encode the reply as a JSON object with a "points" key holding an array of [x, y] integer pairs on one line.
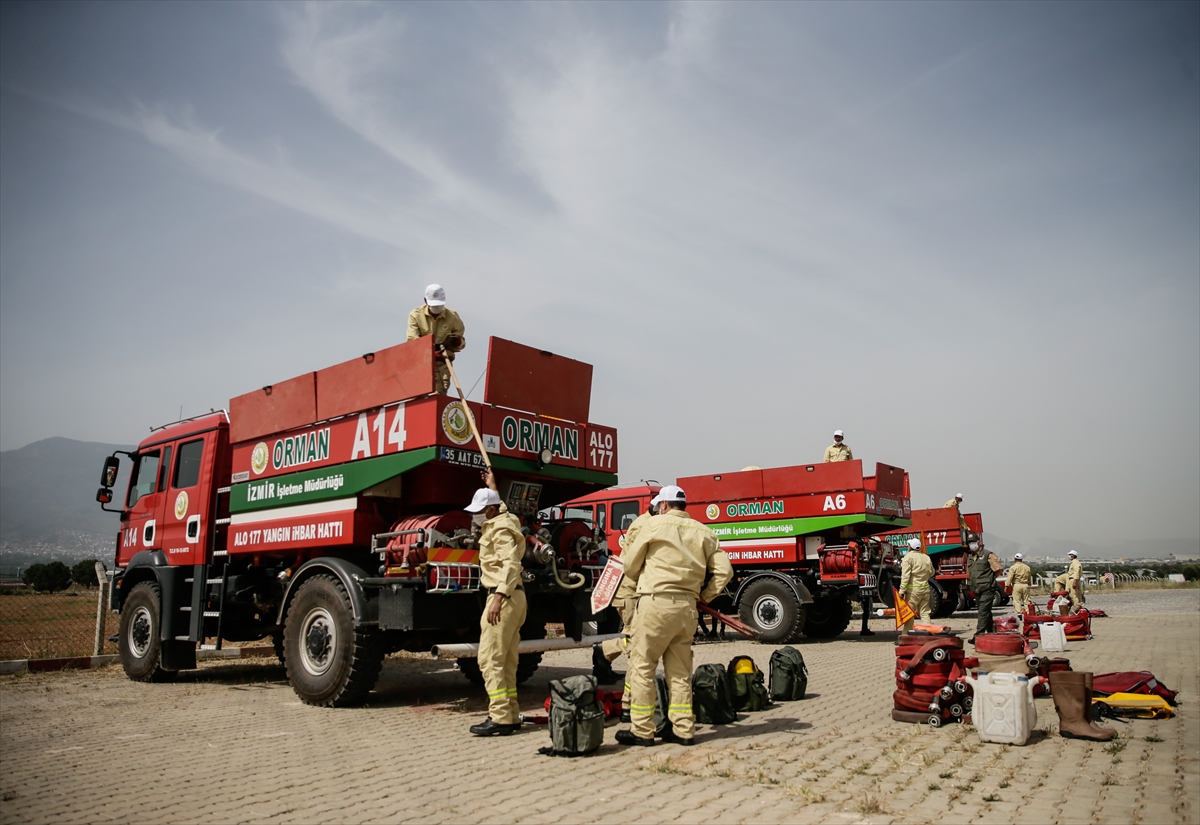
{"points": [[904, 613]]}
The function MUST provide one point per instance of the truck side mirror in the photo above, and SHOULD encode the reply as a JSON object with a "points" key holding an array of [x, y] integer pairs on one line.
{"points": [[104, 495], [109, 477]]}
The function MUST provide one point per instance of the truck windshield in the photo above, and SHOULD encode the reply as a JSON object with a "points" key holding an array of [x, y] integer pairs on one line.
{"points": [[144, 477]]}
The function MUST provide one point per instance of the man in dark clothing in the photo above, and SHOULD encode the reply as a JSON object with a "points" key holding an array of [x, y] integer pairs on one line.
{"points": [[983, 583]]}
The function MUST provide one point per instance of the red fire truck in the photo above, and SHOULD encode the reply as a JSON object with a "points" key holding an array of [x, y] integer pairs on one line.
{"points": [[798, 537], [326, 512], [945, 540]]}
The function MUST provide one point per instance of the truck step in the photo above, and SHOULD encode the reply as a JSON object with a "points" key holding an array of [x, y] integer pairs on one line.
{"points": [[183, 638], [187, 608], [208, 647], [223, 490], [221, 521], [211, 614], [220, 553], [214, 581]]}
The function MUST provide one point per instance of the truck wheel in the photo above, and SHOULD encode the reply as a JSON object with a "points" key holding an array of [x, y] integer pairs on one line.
{"points": [[329, 662], [771, 607], [884, 592], [527, 665], [140, 645], [828, 616]]}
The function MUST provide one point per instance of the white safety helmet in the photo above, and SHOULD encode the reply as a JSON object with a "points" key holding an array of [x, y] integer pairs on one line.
{"points": [[669, 493], [1017, 556], [435, 296], [958, 496], [483, 499], [915, 544], [838, 434], [1072, 553]]}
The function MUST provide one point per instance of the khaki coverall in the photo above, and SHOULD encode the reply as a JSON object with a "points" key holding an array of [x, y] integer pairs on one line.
{"points": [[838, 452], [915, 572], [1020, 577], [501, 546], [625, 601], [1060, 583], [667, 561], [422, 322], [1075, 584], [962, 522]]}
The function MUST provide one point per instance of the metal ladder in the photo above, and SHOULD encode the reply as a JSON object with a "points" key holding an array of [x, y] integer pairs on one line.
{"points": [[202, 578]]}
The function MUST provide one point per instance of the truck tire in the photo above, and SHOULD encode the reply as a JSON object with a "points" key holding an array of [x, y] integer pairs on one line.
{"points": [[883, 593], [139, 642], [769, 606], [527, 665], [329, 661], [941, 605], [828, 616]]}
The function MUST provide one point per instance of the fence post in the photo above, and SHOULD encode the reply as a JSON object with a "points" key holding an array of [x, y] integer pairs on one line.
{"points": [[102, 578]]}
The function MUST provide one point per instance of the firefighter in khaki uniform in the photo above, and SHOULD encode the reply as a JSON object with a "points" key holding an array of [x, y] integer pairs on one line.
{"points": [[838, 451], [1020, 577], [436, 319], [667, 562], [501, 546], [915, 572], [625, 602], [956, 503], [1075, 581]]}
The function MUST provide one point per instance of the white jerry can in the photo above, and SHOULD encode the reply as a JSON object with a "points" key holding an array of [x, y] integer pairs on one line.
{"points": [[1054, 637], [1003, 708]]}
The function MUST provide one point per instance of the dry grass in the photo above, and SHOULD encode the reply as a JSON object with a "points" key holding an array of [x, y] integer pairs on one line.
{"points": [[50, 625]]}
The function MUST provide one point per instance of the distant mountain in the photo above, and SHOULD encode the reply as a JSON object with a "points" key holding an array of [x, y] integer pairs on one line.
{"points": [[48, 498], [1056, 549]]}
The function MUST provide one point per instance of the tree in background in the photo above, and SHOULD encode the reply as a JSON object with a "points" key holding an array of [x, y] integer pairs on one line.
{"points": [[84, 573], [47, 578]]}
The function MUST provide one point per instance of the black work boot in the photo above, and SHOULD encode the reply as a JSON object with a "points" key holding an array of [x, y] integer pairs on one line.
{"points": [[489, 727], [602, 668], [626, 737]]}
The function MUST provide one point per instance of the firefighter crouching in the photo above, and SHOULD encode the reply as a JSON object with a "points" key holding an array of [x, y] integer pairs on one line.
{"points": [[667, 562], [436, 319], [625, 603], [501, 546], [915, 572], [1020, 577]]}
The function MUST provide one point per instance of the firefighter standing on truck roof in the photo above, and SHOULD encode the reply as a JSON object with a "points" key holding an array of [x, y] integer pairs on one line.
{"points": [[982, 580], [1075, 581], [625, 602], [667, 562], [436, 319], [838, 451], [1020, 577], [915, 572], [501, 547]]}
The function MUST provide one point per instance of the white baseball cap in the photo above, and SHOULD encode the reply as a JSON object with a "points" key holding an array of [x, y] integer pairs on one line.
{"points": [[435, 296], [483, 499], [836, 433], [914, 544], [1018, 556], [1072, 553], [669, 493], [958, 495]]}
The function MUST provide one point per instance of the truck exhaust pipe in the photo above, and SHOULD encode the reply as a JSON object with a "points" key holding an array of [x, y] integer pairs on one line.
{"points": [[471, 651]]}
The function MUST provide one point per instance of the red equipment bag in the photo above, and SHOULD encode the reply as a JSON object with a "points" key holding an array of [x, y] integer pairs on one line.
{"points": [[1078, 627], [1132, 681]]}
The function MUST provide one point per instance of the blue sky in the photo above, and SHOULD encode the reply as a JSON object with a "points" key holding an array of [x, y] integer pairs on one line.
{"points": [[967, 234]]}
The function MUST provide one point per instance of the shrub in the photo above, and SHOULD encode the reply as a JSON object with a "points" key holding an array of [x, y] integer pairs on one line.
{"points": [[84, 573], [47, 578]]}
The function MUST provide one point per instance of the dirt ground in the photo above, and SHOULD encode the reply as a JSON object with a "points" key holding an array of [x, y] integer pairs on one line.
{"points": [[231, 743]]}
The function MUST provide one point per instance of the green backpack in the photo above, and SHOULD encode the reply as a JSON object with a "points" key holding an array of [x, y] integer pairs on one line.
{"points": [[746, 686], [576, 717], [710, 696], [789, 676]]}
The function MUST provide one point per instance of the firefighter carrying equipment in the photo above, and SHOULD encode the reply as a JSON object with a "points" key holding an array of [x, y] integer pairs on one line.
{"points": [[789, 675], [576, 717], [1131, 705], [711, 701], [746, 687]]}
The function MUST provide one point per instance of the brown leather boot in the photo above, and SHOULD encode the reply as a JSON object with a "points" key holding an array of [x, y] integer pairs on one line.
{"points": [[1073, 701]]}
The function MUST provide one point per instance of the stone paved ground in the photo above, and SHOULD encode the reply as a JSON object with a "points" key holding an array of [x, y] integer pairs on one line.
{"points": [[230, 743]]}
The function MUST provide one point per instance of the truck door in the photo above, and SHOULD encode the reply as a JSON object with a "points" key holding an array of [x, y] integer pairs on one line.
{"points": [[186, 504], [143, 505], [622, 515]]}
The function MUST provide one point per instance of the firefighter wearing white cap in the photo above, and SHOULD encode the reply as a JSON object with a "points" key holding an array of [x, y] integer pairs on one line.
{"points": [[501, 546], [956, 503], [667, 562], [1019, 578], [838, 450], [1075, 581], [915, 572], [435, 318]]}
